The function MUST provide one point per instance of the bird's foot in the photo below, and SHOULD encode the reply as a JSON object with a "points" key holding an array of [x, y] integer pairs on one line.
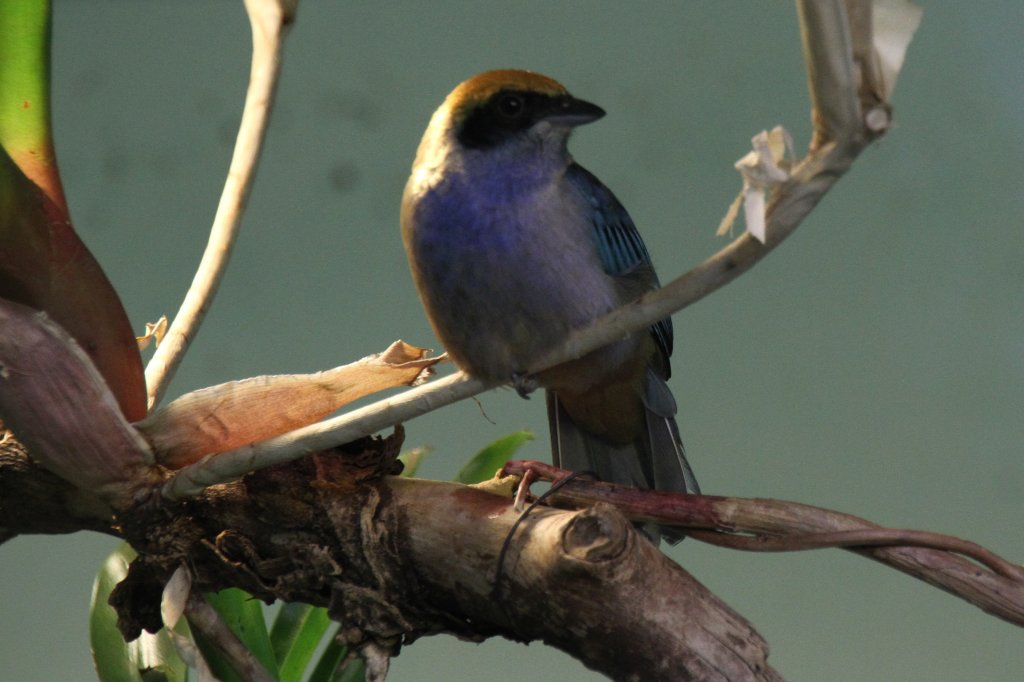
{"points": [[523, 491], [531, 471], [525, 384]]}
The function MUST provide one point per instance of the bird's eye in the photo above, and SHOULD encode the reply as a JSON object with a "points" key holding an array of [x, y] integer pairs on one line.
{"points": [[511, 105]]}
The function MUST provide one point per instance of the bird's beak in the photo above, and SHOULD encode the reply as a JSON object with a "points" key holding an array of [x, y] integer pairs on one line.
{"points": [[572, 112]]}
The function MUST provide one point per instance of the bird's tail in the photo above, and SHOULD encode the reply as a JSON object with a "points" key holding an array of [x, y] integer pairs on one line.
{"points": [[653, 459]]}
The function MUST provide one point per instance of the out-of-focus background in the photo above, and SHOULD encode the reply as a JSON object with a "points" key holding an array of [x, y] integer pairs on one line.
{"points": [[873, 364]]}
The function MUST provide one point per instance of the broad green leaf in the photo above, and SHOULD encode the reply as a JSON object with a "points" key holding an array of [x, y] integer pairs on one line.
{"points": [[485, 463], [297, 632], [150, 658], [43, 263], [243, 613]]}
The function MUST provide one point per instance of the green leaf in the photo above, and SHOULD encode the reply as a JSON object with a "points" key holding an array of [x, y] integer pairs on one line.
{"points": [[287, 627], [296, 634], [150, 658], [244, 616], [485, 463], [43, 263]]}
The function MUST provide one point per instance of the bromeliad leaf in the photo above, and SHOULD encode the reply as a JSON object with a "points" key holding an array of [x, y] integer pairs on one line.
{"points": [[330, 667], [297, 632], [43, 263]]}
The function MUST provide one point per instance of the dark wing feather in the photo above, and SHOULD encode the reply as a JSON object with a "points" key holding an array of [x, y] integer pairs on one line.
{"points": [[656, 459], [620, 246]]}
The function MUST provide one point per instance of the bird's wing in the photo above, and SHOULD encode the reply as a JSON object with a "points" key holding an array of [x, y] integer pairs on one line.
{"points": [[620, 246]]}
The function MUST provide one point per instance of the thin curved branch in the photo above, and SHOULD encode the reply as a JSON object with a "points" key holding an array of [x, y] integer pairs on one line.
{"points": [[792, 203], [999, 592], [995, 586], [269, 20], [826, 37], [868, 537]]}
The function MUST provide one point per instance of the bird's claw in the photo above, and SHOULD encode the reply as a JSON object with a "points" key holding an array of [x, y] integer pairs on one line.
{"points": [[524, 383]]}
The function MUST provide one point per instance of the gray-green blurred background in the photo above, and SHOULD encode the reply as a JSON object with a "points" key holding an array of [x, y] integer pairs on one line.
{"points": [[872, 364]]}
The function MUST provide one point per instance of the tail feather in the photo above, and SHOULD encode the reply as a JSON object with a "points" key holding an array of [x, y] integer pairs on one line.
{"points": [[669, 473], [655, 460], [577, 450]]}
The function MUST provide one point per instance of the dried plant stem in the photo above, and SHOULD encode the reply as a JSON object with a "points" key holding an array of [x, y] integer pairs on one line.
{"points": [[269, 21]]}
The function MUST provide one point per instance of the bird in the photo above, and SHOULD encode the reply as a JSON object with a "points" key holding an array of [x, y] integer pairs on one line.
{"points": [[512, 245]]}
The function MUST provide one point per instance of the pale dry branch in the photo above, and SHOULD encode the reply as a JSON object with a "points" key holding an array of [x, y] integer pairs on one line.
{"points": [[269, 20], [840, 136], [394, 559]]}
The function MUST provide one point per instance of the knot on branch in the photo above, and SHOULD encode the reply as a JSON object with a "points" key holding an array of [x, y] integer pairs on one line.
{"points": [[597, 534]]}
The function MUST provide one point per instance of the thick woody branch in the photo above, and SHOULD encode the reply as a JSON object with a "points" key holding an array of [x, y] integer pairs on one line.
{"points": [[602, 586], [394, 559], [428, 557], [33, 499]]}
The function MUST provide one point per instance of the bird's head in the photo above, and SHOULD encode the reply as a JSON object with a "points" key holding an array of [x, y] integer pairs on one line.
{"points": [[495, 107], [504, 114]]}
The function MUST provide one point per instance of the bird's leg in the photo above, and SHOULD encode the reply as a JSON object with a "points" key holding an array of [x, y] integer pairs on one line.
{"points": [[525, 384], [523, 491]]}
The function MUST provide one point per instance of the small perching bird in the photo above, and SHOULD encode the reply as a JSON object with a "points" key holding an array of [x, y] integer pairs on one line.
{"points": [[512, 245]]}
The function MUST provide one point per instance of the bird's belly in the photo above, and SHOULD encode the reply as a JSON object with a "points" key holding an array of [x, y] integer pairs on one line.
{"points": [[500, 297]]}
